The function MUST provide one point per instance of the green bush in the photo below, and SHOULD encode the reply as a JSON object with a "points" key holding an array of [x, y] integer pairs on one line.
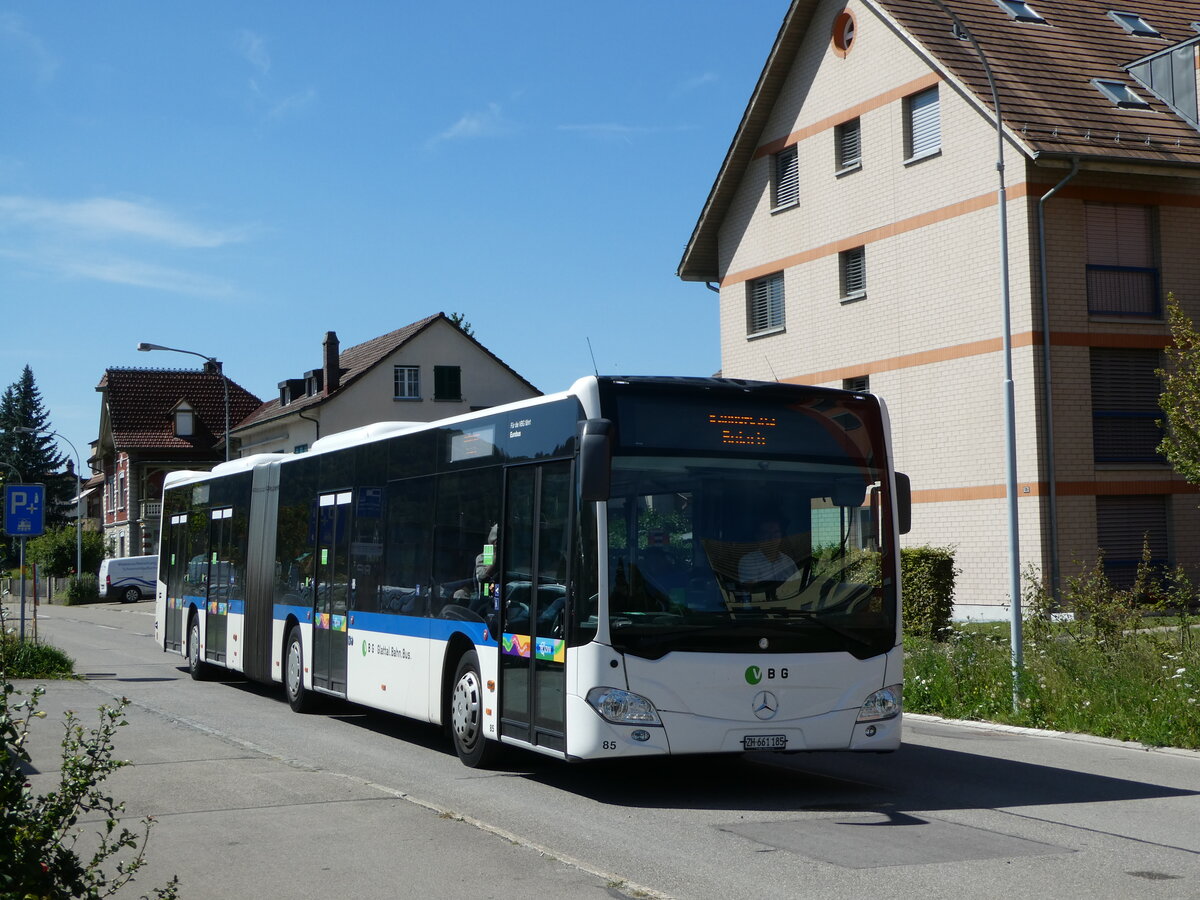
{"points": [[55, 551], [28, 659], [927, 578], [82, 589], [39, 832]]}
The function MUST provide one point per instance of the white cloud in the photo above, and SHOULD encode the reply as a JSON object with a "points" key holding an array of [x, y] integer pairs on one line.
{"points": [[106, 218], [697, 81], [147, 275], [489, 122], [253, 50], [14, 33]]}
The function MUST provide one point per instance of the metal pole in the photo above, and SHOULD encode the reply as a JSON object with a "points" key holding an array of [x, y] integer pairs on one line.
{"points": [[1010, 416], [22, 561]]}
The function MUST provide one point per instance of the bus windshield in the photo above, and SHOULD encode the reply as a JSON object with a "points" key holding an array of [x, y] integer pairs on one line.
{"points": [[732, 555]]}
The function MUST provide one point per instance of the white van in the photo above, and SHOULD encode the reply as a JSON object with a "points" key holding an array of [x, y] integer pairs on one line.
{"points": [[128, 578]]}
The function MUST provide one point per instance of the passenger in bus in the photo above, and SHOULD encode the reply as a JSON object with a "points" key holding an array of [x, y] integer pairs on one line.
{"points": [[768, 562]]}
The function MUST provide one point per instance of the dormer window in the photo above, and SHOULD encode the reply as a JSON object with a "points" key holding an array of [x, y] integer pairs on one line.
{"points": [[185, 420], [1120, 94], [1021, 11], [1133, 24]]}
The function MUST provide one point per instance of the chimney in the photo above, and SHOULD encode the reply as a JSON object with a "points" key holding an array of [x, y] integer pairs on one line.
{"points": [[332, 371]]}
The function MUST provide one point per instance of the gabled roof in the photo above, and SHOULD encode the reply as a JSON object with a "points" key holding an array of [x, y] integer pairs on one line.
{"points": [[1043, 73], [138, 407], [354, 362]]}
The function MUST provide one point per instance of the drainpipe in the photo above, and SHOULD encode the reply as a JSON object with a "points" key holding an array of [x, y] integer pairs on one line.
{"points": [[1047, 388], [716, 289], [316, 422]]}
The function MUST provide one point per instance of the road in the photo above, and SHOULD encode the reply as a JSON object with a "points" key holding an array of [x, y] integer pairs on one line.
{"points": [[254, 800]]}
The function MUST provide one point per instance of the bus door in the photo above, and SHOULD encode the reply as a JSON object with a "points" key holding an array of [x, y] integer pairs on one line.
{"points": [[331, 591], [220, 549], [175, 565], [535, 552]]}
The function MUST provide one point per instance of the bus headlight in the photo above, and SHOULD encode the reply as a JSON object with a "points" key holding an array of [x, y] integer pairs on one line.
{"points": [[622, 707], [885, 703]]}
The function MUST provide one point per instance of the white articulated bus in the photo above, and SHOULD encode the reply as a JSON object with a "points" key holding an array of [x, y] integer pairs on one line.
{"points": [[636, 566]]}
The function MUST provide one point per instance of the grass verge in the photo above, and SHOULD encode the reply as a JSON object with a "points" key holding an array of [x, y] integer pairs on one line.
{"points": [[1136, 686]]}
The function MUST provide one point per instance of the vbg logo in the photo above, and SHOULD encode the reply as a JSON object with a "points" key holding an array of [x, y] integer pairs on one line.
{"points": [[753, 675]]}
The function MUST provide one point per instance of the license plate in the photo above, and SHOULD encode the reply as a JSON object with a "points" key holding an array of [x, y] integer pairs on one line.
{"points": [[764, 741]]}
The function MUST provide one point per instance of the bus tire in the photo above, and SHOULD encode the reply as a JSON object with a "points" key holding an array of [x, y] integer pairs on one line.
{"points": [[298, 696], [197, 667], [466, 715]]}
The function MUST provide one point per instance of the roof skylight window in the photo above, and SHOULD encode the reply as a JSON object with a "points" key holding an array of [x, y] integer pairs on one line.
{"points": [[1021, 11], [1134, 24], [1120, 93]]}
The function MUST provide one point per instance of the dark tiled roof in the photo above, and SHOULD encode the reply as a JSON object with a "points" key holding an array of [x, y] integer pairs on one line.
{"points": [[1043, 75], [356, 361], [140, 405]]}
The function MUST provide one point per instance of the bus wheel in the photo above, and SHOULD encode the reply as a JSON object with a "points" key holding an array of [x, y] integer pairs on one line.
{"points": [[298, 696], [466, 715], [197, 667]]}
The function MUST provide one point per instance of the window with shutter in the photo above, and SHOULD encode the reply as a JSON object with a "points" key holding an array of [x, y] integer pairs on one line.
{"points": [[1122, 277], [853, 265], [848, 140], [785, 187], [764, 306], [447, 383], [924, 124], [1125, 410], [1124, 526]]}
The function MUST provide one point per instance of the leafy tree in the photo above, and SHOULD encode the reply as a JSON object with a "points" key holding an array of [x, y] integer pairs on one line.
{"points": [[34, 456], [1181, 395], [54, 551]]}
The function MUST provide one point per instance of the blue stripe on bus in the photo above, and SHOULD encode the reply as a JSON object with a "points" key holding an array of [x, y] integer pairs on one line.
{"points": [[407, 626]]}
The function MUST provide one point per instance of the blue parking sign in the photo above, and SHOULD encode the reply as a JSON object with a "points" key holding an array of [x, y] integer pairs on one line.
{"points": [[24, 509]]}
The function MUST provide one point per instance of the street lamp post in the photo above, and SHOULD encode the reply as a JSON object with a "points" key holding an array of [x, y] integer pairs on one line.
{"points": [[24, 429], [1010, 416], [144, 347]]}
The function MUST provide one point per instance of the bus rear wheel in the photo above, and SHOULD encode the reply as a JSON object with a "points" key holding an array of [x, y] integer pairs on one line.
{"points": [[298, 696], [466, 715]]}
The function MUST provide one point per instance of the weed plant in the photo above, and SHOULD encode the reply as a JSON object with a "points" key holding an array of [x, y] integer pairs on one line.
{"points": [[1110, 670]]}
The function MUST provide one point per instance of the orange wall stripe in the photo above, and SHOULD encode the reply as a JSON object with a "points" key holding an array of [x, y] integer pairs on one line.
{"points": [[853, 112], [981, 348], [1065, 489], [962, 208]]}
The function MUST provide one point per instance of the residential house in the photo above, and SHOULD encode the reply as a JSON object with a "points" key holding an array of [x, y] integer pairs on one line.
{"points": [[153, 421], [428, 370], [854, 232]]}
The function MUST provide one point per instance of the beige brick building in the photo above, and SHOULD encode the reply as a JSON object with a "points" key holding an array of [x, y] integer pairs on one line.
{"points": [[853, 230]]}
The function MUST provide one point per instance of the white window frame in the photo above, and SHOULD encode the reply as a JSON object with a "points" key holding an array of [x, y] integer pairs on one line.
{"points": [[923, 124], [785, 178], [766, 304], [185, 420], [406, 382]]}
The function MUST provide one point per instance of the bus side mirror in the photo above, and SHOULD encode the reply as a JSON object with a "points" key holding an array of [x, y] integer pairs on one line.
{"points": [[595, 460], [904, 502]]}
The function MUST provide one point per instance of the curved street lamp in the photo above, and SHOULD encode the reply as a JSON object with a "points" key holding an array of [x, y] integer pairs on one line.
{"points": [[144, 347], [25, 429], [1010, 416]]}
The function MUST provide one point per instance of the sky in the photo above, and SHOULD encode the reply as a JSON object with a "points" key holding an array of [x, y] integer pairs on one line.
{"points": [[238, 178]]}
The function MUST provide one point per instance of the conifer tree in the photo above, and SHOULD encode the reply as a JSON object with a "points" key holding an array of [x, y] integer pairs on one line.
{"points": [[34, 457]]}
